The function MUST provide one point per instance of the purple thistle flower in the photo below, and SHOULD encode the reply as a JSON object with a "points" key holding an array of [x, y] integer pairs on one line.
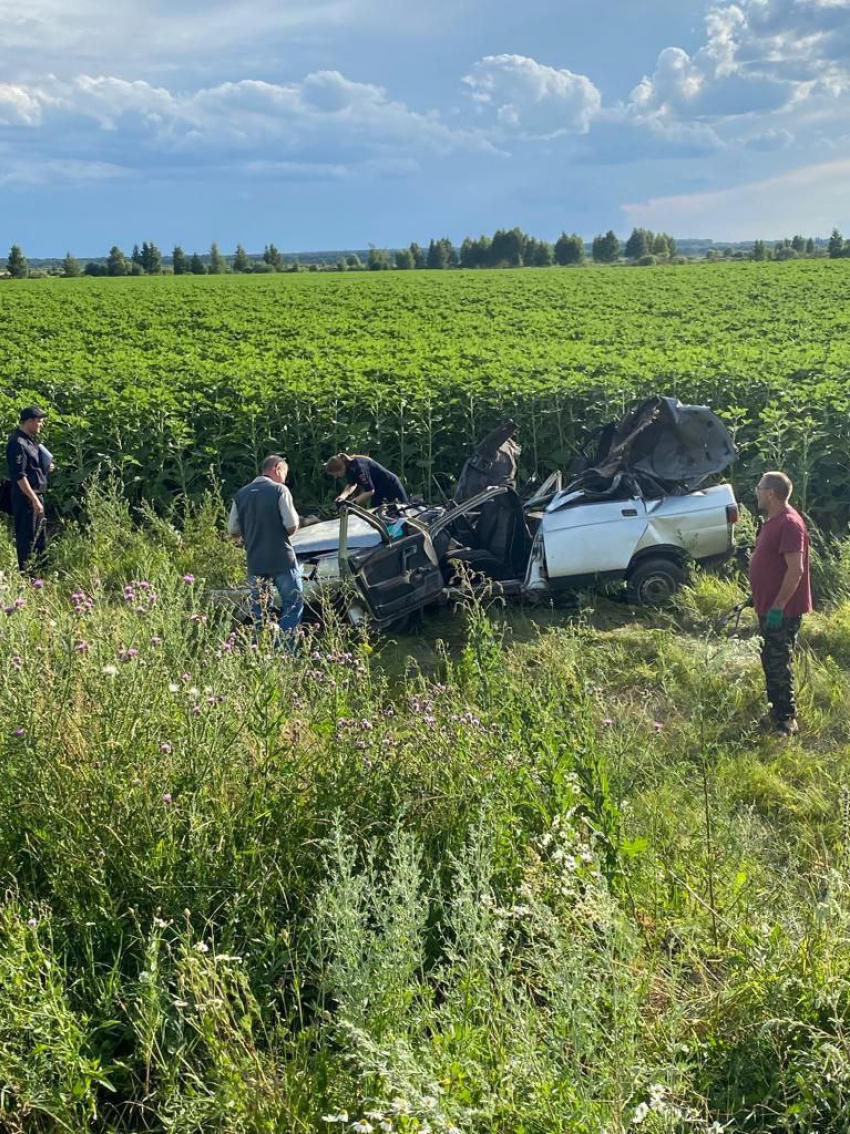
{"points": [[608, 721], [17, 662], [81, 646], [658, 725], [166, 748], [167, 797], [144, 584], [20, 602], [20, 732], [188, 578], [38, 584], [156, 641]]}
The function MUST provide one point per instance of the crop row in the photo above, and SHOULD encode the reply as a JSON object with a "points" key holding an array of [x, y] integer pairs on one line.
{"points": [[172, 380]]}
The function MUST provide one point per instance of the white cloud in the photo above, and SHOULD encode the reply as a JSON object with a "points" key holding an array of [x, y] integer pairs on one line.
{"points": [[62, 170], [760, 58], [325, 120], [20, 106], [530, 99], [810, 199]]}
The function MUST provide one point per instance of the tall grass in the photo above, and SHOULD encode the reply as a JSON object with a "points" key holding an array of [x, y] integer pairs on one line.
{"points": [[557, 881]]}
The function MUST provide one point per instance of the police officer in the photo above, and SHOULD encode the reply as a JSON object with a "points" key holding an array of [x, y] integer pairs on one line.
{"points": [[28, 475], [369, 484]]}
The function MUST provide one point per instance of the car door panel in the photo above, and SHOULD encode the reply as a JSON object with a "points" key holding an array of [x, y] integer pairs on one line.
{"points": [[398, 577], [596, 538]]}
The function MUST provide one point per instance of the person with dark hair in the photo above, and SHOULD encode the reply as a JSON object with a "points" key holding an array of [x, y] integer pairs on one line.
{"points": [[28, 475], [369, 484], [779, 578], [263, 515]]}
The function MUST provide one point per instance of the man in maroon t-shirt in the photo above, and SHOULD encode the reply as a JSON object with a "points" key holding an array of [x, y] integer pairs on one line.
{"points": [[782, 594]]}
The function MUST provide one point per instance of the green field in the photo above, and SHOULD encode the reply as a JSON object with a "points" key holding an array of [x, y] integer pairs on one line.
{"points": [[170, 378], [526, 871]]}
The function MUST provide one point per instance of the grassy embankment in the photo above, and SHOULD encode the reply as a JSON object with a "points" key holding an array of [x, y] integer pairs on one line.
{"points": [[548, 878]]}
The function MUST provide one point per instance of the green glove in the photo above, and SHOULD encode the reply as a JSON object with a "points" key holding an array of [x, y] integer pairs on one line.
{"points": [[774, 619]]}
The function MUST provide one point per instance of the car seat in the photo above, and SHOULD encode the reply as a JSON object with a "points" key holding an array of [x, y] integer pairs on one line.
{"points": [[501, 540]]}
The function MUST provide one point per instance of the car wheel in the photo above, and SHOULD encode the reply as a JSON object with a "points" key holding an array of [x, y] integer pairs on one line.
{"points": [[654, 581]]}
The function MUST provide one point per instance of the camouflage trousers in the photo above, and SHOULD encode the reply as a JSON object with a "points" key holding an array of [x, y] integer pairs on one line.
{"points": [[777, 647]]}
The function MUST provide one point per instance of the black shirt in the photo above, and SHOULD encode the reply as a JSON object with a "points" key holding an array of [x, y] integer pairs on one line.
{"points": [[369, 476], [23, 460]]}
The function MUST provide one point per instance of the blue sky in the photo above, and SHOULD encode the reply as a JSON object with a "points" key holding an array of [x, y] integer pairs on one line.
{"points": [[339, 123]]}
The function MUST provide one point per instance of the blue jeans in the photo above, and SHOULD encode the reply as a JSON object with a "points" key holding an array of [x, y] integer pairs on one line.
{"points": [[290, 587]]}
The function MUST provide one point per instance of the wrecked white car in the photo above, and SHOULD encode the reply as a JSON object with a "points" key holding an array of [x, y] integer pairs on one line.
{"points": [[636, 513], [636, 510]]}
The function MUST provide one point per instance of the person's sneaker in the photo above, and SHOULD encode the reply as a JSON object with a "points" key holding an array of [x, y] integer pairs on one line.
{"points": [[788, 727]]}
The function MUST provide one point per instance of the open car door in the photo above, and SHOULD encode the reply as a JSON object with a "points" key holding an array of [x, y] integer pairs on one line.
{"points": [[399, 576]]}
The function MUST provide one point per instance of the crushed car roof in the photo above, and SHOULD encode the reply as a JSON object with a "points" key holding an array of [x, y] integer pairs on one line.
{"points": [[674, 445]]}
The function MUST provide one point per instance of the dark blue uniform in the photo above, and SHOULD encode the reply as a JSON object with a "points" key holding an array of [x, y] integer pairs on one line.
{"points": [[24, 462], [369, 476]]}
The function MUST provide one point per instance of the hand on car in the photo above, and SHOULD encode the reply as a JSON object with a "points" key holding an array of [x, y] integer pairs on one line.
{"points": [[774, 619]]}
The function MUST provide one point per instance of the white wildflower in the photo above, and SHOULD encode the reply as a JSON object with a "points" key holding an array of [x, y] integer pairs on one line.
{"points": [[641, 1111], [362, 1127], [202, 947], [173, 687], [335, 1118], [110, 670]]}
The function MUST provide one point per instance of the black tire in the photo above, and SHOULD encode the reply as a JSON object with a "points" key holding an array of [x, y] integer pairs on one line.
{"points": [[654, 581]]}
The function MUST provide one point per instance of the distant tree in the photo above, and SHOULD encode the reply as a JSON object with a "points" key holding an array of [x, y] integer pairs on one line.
{"points": [[404, 261], [273, 257], [241, 263], [136, 256], [507, 248], [418, 255], [540, 254], [116, 262], [759, 250], [569, 249], [639, 244], [836, 245], [437, 255], [196, 266], [810, 246], [606, 248], [151, 259], [341, 265], [17, 263], [178, 259], [798, 243], [94, 268], [784, 253], [379, 260], [71, 266], [353, 261], [218, 264], [294, 267], [135, 269]]}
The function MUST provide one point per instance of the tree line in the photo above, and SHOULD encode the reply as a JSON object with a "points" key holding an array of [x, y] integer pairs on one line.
{"points": [[506, 248], [513, 248]]}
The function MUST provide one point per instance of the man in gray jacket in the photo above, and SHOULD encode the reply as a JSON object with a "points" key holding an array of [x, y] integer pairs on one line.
{"points": [[264, 515]]}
